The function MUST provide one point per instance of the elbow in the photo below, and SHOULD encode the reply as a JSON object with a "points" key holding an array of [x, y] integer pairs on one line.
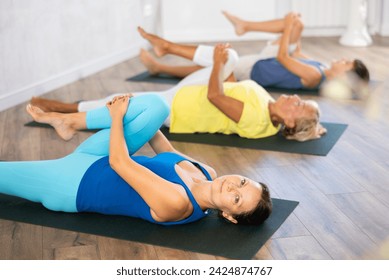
{"points": [[114, 162], [212, 98], [281, 56], [299, 25]]}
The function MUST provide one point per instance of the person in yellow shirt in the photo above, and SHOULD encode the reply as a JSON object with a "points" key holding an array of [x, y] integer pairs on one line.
{"points": [[210, 100]]}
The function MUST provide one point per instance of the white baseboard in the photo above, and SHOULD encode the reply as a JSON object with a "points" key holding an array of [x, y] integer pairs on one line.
{"points": [[226, 35], [212, 35], [11, 99], [324, 31]]}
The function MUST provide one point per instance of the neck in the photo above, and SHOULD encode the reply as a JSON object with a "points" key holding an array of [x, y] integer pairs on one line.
{"points": [[201, 190], [329, 73], [275, 118]]}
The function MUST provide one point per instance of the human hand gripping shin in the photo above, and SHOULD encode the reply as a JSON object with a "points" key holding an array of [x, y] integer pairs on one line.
{"points": [[117, 109]]}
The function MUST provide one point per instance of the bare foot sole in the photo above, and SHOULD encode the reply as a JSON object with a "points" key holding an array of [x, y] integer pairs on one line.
{"points": [[64, 130], [236, 22], [160, 45], [149, 61]]}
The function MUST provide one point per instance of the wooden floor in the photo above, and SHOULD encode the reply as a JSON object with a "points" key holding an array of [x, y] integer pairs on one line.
{"points": [[344, 197]]}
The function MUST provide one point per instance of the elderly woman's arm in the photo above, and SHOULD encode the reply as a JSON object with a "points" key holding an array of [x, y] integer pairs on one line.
{"points": [[231, 107]]}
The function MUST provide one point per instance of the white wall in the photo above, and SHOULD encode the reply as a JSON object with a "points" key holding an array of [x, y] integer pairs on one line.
{"points": [[384, 28], [47, 44], [202, 20]]}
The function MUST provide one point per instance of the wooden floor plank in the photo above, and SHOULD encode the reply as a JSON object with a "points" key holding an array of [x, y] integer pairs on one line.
{"points": [[297, 248], [367, 212]]}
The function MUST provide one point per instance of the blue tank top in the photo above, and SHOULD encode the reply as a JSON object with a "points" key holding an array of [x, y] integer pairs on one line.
{"points": [[271, 73], [102, 190]]}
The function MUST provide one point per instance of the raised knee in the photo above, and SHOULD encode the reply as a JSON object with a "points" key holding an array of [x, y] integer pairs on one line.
{"points": [[233, 58], [159, 105], [299, 24]]}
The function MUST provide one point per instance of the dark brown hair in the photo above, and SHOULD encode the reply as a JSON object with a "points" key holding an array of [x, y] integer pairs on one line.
{"points": [[361, 70], [260, 213]]}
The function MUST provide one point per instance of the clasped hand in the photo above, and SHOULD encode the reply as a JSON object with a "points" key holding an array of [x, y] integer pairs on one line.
{"points": [[118, 105], [220, 54]]}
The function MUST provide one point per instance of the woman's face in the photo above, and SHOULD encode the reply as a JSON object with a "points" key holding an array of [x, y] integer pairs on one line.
{"points": [[342, 65], [235, 194], [291, 108]]}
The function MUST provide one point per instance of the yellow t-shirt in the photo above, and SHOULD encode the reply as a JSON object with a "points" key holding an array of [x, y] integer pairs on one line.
{"points": [[192, 112]]}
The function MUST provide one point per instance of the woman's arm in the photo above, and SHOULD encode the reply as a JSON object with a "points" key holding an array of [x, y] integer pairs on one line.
{"points": [[309, 75], [231, 107], [298, 52], [160, 144], [167, 201]]}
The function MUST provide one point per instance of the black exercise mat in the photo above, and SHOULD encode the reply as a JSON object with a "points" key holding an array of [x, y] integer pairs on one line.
{"points": [[320, 147], [44, 125], [278, 143], [293, 91], [167, 79], [210, 235], [148, 78], [36, 124], [373, 84]]}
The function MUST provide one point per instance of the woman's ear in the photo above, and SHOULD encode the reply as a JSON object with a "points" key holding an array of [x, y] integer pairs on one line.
{"points": [[320, 130], [229, 217], [289, 123]]}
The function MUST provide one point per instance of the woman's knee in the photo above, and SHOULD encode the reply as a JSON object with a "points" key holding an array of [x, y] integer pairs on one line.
{"points": [[233, 57], [154, 102], [147, 107], [151, 112], [232, 62], [158, 106]]}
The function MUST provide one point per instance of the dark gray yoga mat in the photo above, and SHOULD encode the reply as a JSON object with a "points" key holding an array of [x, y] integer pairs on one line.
{"points": [[44, 125], [167, 79], [210, 235], [148, 78], [277, 143], [320, 147]]}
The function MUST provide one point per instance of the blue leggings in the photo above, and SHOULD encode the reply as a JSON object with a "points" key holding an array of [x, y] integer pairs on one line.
{"points": [[54, 183]]}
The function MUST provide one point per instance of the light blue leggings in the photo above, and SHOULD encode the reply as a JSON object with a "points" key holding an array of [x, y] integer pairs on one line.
{"points": [[54, 183]]}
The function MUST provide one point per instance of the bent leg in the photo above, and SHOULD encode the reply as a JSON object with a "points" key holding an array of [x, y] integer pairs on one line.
{"points": [[243, 26], [145, 115], [54, 183], [162, 47], [48, 105], [155, 67], [272, 26], [204, 57], [85, 106]]}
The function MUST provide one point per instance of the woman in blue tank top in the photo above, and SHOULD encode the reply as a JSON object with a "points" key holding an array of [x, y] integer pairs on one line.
{"points": [[102, 176]]}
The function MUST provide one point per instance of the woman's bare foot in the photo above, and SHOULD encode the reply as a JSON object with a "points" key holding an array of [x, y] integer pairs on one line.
{"points": [[236, 22], [48, 105], [160, 46], [60, 123], [149, 61]]}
